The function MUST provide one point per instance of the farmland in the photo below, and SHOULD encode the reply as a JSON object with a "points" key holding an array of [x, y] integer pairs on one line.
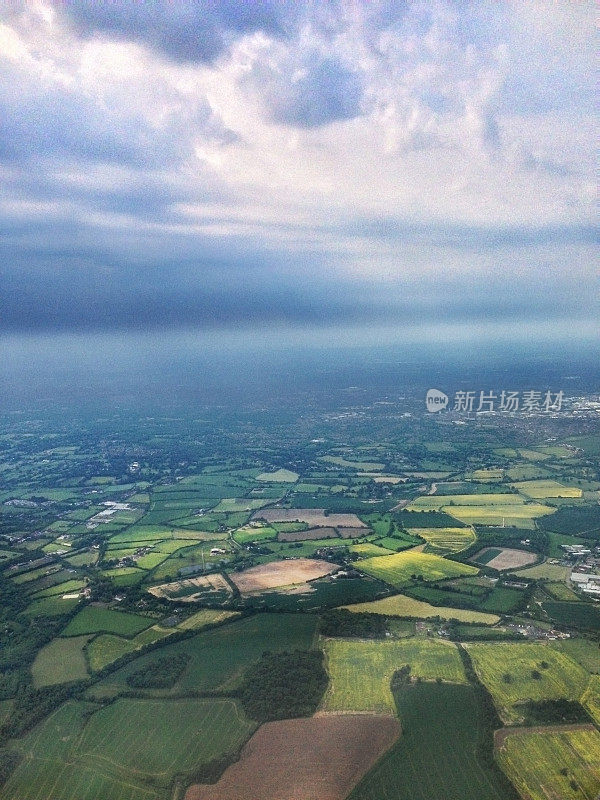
{"points": [[95, 619], [280, 573], [60, 661], [302, 759], [446, 540], [515, 673], [398, 569], [219, 656], [199, 541], [553, 763], [503, 558], [361, 672], [402, 606], [74, 752], [442, 727]]}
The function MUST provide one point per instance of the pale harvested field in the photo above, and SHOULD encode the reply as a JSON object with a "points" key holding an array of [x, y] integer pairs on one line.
{"points": [[307, 535], [214, 583], [312, 516], [280, 573], [321, 758], [511, 559]]}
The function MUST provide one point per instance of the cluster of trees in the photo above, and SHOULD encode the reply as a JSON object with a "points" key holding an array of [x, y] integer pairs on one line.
{"points": [[284, 685], [341, 622], [162, 673], [554, 712]]}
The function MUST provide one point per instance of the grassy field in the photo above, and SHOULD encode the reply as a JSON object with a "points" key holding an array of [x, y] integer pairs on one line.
{"points": [[446, 540], [435, 756], [535, 762], [279, 476], [60, 661], [397, 569], [490, 474], [402, 606], [129, 750], [590, 699], [218, 657], [507, 671], [540, 490], [361, 671], [95, 619], [369, 550], [106, 648], [520, 516], [437, 502], [585, 651], [547, 571]]}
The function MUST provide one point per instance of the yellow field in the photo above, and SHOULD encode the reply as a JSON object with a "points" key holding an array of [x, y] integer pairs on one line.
{"points": [[521, 516], [446, 540], [433, 502], [402, 606], [506, 669], [539, 490], [491, 474], [397, 569], [536, 763], [361, 671]]}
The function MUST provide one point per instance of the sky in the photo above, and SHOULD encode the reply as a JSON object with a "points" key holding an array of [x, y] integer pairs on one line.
{"points": [[222, 164]]}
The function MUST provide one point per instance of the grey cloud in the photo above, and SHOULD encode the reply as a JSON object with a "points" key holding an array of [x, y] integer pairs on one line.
{"points": [[325, 92], [185, 31]]}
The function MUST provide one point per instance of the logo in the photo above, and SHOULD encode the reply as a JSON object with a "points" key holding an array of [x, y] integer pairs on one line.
{"points": [[436, 400]]}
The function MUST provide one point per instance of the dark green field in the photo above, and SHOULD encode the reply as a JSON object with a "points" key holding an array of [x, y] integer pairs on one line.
{"points": [[435, 758]]}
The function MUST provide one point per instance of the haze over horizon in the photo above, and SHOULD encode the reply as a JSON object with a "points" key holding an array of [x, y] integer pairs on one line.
{"points": [[372, 166]]}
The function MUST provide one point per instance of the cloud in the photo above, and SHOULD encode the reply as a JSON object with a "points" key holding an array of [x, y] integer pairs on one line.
{"points": [[186, 31], [227, 162]]}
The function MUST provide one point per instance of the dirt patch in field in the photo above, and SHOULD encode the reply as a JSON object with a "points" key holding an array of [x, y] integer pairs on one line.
{"points": [[316, 517], [351, 533], [502, 734], [321, 758], [307, 535], [280, 573], [510, 559]]}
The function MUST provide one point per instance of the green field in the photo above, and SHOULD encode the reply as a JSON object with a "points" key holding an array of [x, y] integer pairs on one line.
{"points": [[129, 750], [96, 619], [402, 606], [369, 550], [490, 474], [446, 540], [435, 757], [435, 502], [279, 476], [585, 651], [218, 657], [60, 661], [397, 569], [590, 699], [547, 571], [578, 615], [106, 648], [254, 533], [361, 671], [535, 762], [562, 678]]}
